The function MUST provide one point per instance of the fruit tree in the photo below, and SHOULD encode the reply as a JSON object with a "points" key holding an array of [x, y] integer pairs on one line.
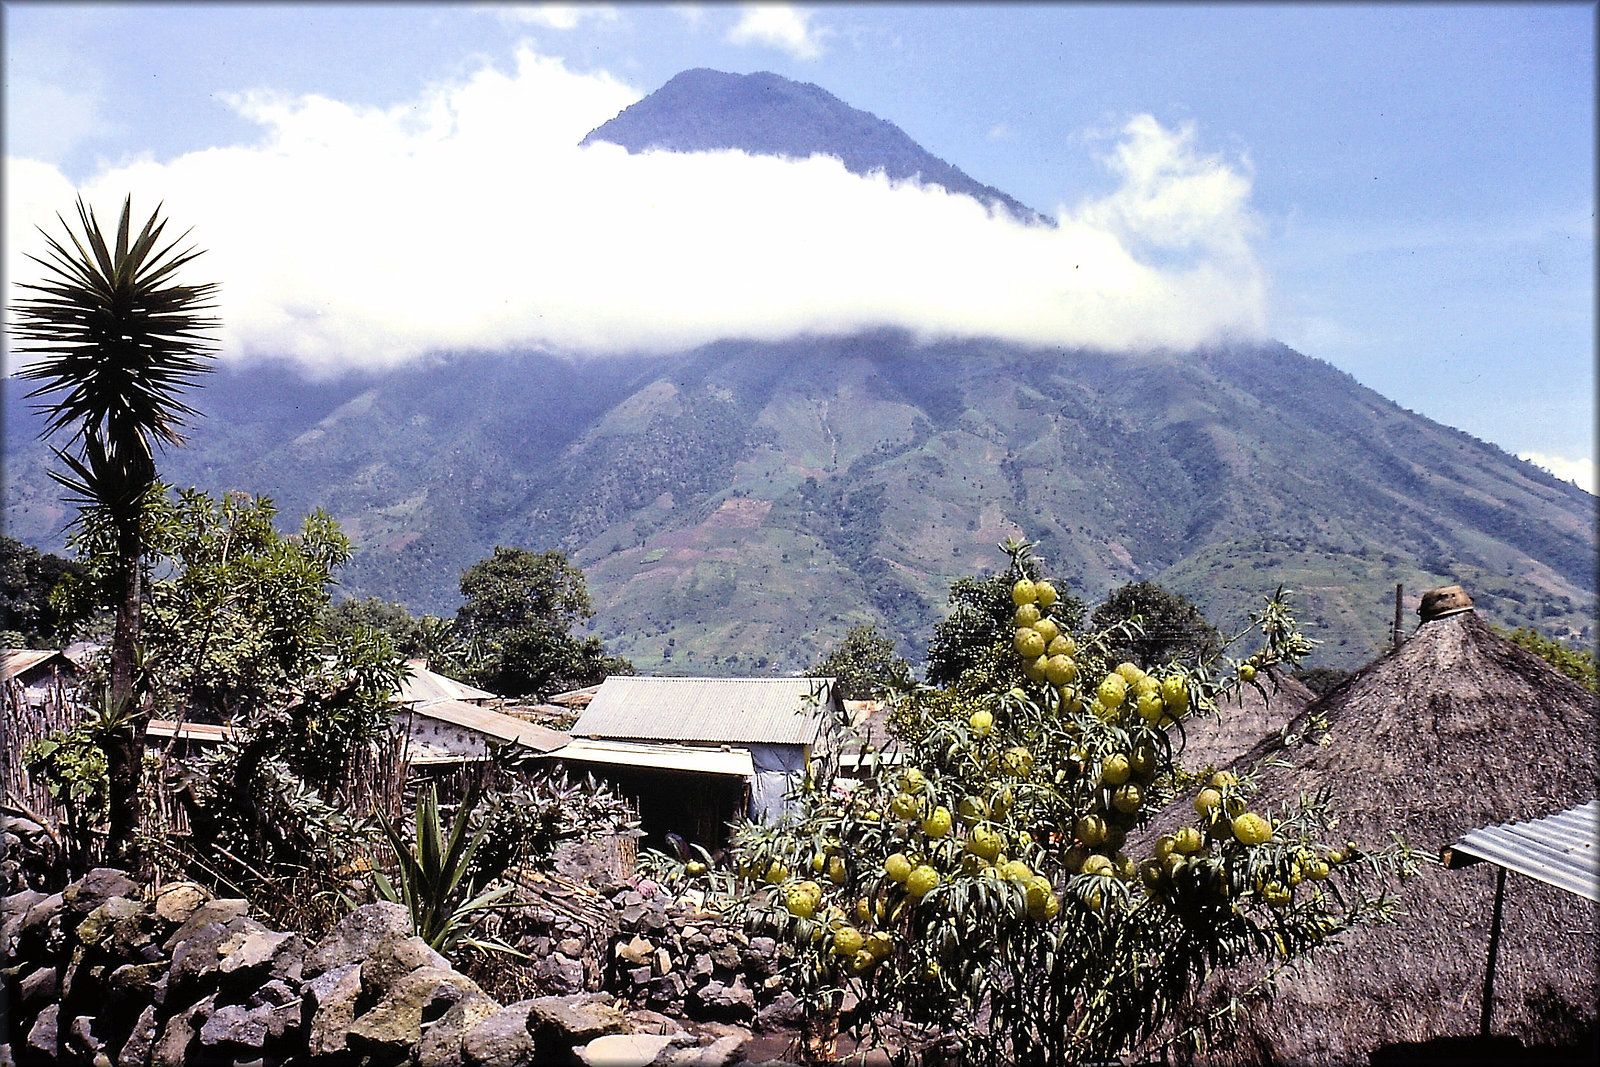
{"points": [[986, 881]]}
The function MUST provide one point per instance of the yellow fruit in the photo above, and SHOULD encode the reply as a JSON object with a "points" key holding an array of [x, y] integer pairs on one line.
{"points": [[1114, 769], [1252, 829], [937, 824], [897, 867], [1150, 708], [1129, 672], [1175, 694], [1045, 592], [1166, 845], [1062, 645], [905, 806], [1127, 798], [1091, 830], [1028, 642], [913, 781], [1098, 866], [1024, 592], [1207, 801], [1016, 871], [984, 843], [1224, 779], [836, 870], [1060, 670], [1276, 895], [862, 962], [1143, 760], [1001, 804], [922, 881], [1187, 841], [1112, 692], [1034, 669], [982, 723], [777, 872], [847, 941], [1247, 672], [1036, 891], [863, 912], [879, 945], [1026, 615], [972, 865], [695, 867], [818, 861], [1047, 629], [1317, 870], [972, 811], [1018, 761], [800, 903]]}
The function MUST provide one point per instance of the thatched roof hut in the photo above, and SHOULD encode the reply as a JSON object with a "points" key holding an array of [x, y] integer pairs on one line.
{"points": [[1455, 730], [1245, 720]]}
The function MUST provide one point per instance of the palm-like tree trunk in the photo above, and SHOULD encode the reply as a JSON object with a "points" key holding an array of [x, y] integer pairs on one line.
{"points": [[116, 339]]}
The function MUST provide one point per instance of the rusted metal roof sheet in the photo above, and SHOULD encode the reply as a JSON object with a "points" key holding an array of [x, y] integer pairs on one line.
{"points": [[711, 710], [500, 727], [724, 760], [1559, 850]]}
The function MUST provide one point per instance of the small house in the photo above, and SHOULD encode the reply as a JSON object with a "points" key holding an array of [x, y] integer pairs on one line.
{"points": [[37, 674], [698, 753]]}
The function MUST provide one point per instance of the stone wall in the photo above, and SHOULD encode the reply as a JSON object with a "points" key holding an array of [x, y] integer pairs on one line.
{"points": [[108, 972]]}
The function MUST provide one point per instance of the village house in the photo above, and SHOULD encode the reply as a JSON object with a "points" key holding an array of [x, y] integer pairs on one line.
{"points": [[698, 753]]}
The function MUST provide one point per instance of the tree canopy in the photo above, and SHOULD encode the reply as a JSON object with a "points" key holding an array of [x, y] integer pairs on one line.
{"points": [[1172, 627], [519, 613], [35, 610], [865, 664], [980, 617]]}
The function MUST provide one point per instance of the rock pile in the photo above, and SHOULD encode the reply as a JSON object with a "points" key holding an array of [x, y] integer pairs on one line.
{"points": [[107, 973], [673, 956]]}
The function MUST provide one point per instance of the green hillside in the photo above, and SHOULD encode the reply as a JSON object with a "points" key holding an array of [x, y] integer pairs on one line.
{"points": [[738, 508]]}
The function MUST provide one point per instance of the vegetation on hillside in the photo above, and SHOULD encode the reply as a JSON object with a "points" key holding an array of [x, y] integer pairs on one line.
{"points": [[1576, 663], [865, 664]]}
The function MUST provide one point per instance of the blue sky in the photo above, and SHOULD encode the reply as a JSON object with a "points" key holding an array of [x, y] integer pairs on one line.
{"points": [[1404, 191]]}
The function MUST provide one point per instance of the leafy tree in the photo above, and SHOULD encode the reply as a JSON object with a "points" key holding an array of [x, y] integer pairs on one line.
{"points": [[426, 637], [866, 665], [520, 609], [987, 885], [1170, 626], [1577, 664], [980, 617], [117, 339], [36, 604]]}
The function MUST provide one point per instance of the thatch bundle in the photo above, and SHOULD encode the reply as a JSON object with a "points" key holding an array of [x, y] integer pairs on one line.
{"points": [[1244, 720], [1456, 730]]}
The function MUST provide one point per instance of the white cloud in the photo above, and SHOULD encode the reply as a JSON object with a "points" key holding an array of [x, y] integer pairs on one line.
{"points": [[1579, 472], [470, 220], [781, 26], [557, 16]]}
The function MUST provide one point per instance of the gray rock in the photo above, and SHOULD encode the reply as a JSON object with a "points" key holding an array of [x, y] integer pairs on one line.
{"points": [[39, 985], [44, 1036], [330, 1004], [135, 1051], [623, 1050], [720, 1053], [636, 951], [117, 920], [732, 1000], [395, 1023], [501, 1039], [560, 975], [571, 946], [95, 888], [702, 966], [275, 992], [135, 983], [236, 1025], [195, 960], [13, 909], [784, 1011], [441, 1043], [173, 1046], [212, 911], [252, 957], [39, 927], [573, 1020], [356, 935], [177, 901], [392, 958], [728, 957]]}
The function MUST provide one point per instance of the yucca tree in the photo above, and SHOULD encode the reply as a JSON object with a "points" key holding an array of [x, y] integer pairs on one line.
{"points": [[114, 338]]}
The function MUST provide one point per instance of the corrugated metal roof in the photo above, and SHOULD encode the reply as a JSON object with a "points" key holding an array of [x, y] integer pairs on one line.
{"points": [[190, 731], [1558, 849], [421, 684], [15, 661], [735, 710], [498, 726], [731, 761]]}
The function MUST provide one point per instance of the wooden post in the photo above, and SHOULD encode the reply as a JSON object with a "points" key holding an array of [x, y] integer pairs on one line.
{"points": [[1487, 1012], [1399, 619]]}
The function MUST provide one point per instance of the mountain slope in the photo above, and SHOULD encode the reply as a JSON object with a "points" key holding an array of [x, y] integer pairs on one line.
{"points": [[737, 508], [765, 114]]}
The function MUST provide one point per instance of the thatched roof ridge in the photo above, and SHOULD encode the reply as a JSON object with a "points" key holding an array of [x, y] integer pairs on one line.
{"points": [[1244, 721], [1456, 729]]}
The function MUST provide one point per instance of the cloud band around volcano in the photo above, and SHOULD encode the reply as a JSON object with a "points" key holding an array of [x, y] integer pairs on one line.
{"points": [[469, 219]]}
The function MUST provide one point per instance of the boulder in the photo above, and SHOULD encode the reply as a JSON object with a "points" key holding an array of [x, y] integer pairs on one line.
{"points": [[141, 1039], [720, 1053], [172, 1047], [392, 958], [234, 1027], [330, 1009], [253, 957], [212, 911], [441, 1044], [623, 1050], [355, 936], [95, 888], [395, 1023], [44, 1036], [732, 1000], [176, 901], [39, 986], [565, 1022], [501, 1039]]}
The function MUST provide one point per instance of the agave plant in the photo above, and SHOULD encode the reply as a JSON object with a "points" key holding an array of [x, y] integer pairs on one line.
{"points": [[434, 877], [115, 338]]}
